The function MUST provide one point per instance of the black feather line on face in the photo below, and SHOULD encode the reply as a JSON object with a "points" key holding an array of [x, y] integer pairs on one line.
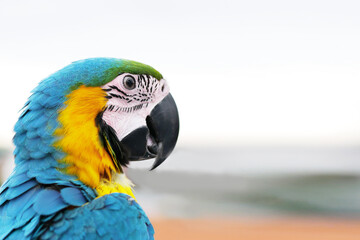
{"points": [[111, 143]]}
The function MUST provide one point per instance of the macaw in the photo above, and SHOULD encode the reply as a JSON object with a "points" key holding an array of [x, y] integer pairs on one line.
{"points": [[79, 129]]}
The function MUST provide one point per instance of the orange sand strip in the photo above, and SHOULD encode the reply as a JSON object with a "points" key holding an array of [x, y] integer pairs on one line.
{"points": [[283, 229]]}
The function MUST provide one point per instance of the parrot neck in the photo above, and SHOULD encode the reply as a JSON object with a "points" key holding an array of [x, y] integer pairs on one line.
{"points": [[78, 137], [118, 184]]}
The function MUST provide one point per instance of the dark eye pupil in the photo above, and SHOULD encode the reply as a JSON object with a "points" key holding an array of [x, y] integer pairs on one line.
{"points": [[129, 82]]}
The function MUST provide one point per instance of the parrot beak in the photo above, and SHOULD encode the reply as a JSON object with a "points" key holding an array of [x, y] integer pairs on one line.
{"points": [[156, 140]]}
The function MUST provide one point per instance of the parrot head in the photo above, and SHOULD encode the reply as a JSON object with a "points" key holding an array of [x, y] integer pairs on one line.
{"points": [[95, 115], [140, 120]]}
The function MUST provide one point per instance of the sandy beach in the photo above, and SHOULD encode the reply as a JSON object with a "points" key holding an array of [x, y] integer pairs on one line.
{"points": [[255, 229]]}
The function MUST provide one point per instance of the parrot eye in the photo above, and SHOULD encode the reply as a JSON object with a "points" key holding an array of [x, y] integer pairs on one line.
{"points": [[129, 82]]}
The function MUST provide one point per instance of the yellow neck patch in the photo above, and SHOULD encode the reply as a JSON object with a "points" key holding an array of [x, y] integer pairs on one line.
{"points": [[120, 183], [79, 138]]}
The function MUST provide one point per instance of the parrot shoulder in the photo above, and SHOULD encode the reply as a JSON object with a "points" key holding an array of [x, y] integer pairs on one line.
{"points": [[112, 216]]}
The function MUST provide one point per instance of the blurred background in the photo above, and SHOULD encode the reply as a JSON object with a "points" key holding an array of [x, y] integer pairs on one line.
{"points": [[268, 96]]}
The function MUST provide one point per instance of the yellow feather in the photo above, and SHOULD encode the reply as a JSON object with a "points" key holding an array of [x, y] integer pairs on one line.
{"points": [[120, 184], [79, 138]]}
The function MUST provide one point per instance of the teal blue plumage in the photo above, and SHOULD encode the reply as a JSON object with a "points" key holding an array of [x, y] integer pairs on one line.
{"points": [[101, 215], [38, 200]]}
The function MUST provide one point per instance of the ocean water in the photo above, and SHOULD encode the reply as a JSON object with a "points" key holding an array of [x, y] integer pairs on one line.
{"points": [[257, 160], [180, 194], [257, 181]]}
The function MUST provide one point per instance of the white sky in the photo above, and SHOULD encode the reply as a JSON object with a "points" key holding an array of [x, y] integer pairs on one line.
{"points": [[248, 72]]}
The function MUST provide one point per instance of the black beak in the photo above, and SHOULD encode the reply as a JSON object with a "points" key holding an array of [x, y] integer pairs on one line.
{"points": [[159, 138]]}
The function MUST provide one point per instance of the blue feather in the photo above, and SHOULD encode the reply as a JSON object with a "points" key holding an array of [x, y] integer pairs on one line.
{"points": [[50, 173], [29, 228], [19, 127], [49, 202], [32, 134], [18, 190], [41, 98], [37, 154], [41, 121], [23, 155], [89, 193], [33, 145], [45, 148], [18, 179], [73, 196], [88, 221], [35, 106], [46, 179], [58, 216], [28, 214], [19, 139], [47, 235], [16, 235], [14, 207], [61, 227]]}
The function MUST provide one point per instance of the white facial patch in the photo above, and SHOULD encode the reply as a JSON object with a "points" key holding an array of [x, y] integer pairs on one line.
{"points": [[127, 107]]}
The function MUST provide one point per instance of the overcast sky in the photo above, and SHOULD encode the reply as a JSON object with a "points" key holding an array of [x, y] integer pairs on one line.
{"points": [[245, 72]]}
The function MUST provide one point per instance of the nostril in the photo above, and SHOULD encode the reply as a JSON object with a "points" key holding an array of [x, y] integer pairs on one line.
{"points": [[163, 87]]}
